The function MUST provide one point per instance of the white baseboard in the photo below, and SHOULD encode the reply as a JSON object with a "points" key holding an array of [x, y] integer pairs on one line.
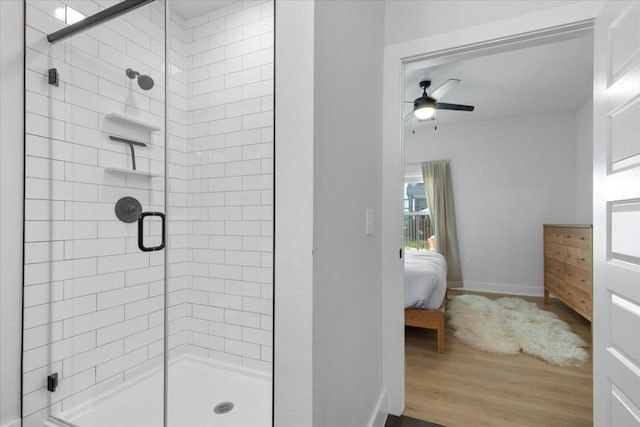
{"points": [[503, 288], [14, 423], [379, 415]]}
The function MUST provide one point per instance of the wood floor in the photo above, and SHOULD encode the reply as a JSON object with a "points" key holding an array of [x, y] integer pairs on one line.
{"points": [[404, 421], [465, 387]]}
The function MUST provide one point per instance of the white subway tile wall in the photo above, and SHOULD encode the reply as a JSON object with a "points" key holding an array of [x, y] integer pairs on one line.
{"points": [[94, 304], [229, 184]]}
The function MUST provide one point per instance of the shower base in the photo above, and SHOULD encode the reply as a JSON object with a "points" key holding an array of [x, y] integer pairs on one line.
{"points": [[196, 386]]}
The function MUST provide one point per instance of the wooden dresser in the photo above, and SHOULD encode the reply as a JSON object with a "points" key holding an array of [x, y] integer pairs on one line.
{"points": [[568, 264]]}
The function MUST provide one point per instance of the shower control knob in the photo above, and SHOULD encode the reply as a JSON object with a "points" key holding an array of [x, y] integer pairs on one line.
{"points": [[128, 209]]}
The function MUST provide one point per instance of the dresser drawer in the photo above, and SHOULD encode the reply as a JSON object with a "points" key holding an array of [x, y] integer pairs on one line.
{"points": [[555, 251], [578, 277], [557, 286], [553, 235], [577, 237], [578, 257], [581, 300], [554, 267]]}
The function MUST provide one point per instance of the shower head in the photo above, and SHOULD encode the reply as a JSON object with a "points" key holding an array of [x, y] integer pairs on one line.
{"points": [[145, 82]]}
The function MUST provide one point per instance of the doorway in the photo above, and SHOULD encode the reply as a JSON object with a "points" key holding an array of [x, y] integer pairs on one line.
{"points": [[465, 43], [514, 166]]}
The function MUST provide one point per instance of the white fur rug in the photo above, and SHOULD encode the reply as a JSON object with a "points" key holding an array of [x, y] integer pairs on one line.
{"points": [[510, 325]]}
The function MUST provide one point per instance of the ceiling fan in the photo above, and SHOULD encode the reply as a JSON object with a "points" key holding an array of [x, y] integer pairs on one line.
{"points": [[424, 107]]}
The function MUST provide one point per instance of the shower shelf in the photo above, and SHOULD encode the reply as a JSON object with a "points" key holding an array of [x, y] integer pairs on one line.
{"points": [[131, 171], [133, 122]]}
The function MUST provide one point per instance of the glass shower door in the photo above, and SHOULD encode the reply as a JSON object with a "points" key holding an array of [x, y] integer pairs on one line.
{"points": [[95, 256]]}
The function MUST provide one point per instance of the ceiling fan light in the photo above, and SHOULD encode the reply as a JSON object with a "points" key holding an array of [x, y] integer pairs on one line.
{"points": [[424, 107], [424, 112]]}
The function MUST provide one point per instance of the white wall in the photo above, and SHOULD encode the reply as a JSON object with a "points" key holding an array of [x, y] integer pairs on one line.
{"points": [[11, 193], [413, 19], [584, 164], [328, 171], [509, 176], [347, 294], [294, 174]]}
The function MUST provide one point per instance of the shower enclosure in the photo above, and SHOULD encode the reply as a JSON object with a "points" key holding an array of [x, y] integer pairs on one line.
{"points": [[148, 290]]}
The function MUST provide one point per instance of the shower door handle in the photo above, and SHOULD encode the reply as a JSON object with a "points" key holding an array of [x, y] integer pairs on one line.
{"points": [[141, 231]]}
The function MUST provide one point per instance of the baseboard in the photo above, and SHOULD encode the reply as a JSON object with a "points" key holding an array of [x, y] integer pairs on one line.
{"points": [[454, 284], [14, 423], [379, 415], [503, 288]]}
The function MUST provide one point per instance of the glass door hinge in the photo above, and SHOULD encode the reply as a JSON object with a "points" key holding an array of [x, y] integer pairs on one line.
{"points": [[52, 382], [53, 76]]}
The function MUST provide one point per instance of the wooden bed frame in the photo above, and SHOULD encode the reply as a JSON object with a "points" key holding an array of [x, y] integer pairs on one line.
{"points": [[428, 319]]}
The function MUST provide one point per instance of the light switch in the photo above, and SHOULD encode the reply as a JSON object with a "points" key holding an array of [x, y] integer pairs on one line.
{"points": [[370, 222]]}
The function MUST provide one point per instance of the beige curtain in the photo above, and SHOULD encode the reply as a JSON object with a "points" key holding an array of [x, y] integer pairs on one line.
{"points": [[437, 184]]}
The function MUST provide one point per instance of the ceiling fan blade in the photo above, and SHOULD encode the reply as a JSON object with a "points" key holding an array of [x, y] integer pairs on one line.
{"points": [[444, 88], [456, 107]]}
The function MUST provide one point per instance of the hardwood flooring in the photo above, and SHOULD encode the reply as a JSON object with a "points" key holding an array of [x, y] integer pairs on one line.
{"points": [[393, 421], [468, 388]]}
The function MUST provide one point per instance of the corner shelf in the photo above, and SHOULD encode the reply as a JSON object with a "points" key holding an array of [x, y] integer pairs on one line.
{"points": [[113, 169], [133, 122]]}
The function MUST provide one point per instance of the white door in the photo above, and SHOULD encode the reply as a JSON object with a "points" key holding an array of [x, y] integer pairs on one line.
{"points": [[616, 227]]}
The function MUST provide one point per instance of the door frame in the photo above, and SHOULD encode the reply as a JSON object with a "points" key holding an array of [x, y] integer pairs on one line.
{"points": [[522, 31]]}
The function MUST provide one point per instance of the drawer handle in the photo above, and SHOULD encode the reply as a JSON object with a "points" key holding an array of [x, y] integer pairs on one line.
{"points": [[582, 238]]}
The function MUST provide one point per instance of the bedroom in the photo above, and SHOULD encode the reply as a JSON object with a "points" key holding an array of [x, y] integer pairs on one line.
{"points": [[521, 159]]}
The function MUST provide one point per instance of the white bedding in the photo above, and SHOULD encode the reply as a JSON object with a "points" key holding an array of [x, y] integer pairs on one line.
{"points": [[425, 279]]}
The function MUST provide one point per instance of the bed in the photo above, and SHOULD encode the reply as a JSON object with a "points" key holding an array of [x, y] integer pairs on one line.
{"points": [[425, 292]]}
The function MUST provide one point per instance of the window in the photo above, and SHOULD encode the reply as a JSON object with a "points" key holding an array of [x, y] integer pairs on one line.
{"points": [[417, 222]]}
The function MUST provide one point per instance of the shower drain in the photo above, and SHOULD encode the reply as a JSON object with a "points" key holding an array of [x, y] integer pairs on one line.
{"points": [[223, 408]]}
